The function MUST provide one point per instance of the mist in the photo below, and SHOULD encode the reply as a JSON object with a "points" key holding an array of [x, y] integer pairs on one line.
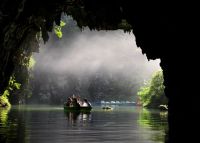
{"points": [[90, 57]]}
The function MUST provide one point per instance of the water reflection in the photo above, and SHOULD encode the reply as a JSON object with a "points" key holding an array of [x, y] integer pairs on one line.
{"points": [[12, 126], [4, 115], [3, 122], [51, 124], [78, 118], [147, 119]]}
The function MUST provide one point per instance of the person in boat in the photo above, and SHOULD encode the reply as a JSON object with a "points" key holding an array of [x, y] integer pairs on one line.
{"points": [[75, 103], [69, 102], [86, 103], [73, 96], [80, 102]]}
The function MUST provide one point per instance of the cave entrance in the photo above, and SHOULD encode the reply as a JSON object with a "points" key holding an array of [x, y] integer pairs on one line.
{"points": [[103, 66], [107, 68]]}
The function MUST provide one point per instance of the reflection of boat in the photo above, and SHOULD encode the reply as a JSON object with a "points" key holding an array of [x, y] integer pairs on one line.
{"points": [[77, 109], [82, 117]]}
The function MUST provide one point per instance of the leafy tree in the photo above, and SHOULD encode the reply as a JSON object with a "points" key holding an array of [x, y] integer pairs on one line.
{"points": [[152, 93]]}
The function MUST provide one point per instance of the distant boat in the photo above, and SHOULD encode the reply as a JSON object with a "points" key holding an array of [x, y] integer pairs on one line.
{"points": [[107, 108], [163, 107]]}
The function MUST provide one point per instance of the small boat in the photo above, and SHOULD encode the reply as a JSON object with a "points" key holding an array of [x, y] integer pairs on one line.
{"points": [[77, 109], [163, 107], [107, 108], [86, 106]]}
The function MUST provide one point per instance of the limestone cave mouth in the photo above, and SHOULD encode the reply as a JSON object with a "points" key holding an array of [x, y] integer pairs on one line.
{"points": [[98, 65]]}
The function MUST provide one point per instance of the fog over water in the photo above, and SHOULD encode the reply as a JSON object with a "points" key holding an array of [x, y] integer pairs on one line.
{"points": [[86, 54], [92, 51]]}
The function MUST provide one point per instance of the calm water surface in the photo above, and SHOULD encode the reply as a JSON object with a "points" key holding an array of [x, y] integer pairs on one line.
{"points": [[49, 124]]}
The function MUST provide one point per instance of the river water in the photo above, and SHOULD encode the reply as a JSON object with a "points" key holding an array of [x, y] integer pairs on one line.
{"points": [[50, 124]]}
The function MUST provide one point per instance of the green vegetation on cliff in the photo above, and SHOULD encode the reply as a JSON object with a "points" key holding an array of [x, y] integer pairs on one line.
{"points": [[58, 29], [152, 93], [13, 84]]}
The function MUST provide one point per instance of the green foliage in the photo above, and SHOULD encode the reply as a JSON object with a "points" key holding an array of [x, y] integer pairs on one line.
{"points": [[13, 84], [144, 94], [6, 93], [4, 99], [152, 93], [31, 62], [62, 23], [125, 26], [58, 29]]}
